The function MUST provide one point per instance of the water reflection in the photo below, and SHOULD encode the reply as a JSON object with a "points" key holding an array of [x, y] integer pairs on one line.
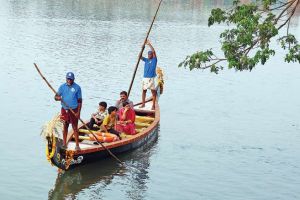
{"points": [[97, 177], [70, 183]]}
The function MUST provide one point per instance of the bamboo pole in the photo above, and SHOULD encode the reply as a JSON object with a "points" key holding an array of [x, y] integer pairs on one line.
{"points": [[142, 50]]}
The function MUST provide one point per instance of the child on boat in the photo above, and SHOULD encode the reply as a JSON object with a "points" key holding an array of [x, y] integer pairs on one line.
{"points": [[98, 117], [109, 122]]}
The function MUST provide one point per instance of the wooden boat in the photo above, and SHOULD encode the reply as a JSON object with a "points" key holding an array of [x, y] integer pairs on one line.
{"points": [[147, 126]]}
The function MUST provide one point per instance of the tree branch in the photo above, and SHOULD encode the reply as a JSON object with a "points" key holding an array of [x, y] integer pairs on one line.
{"points": [[284, 4], [208, 66], [284, 10], [293, 12]]}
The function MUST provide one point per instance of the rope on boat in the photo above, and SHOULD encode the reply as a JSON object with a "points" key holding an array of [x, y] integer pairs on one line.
{"points": [[49, 132], [160, 79], [52, 127]]}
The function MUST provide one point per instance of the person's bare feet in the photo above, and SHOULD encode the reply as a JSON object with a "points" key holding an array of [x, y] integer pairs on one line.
{"points": [[142, 106]]}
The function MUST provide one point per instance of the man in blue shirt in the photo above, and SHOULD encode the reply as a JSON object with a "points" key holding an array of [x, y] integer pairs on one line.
{"points": [[149, 75], [70, 94]]}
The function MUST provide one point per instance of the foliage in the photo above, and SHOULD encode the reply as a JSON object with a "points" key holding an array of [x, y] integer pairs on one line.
{"points": [[247, 42]]}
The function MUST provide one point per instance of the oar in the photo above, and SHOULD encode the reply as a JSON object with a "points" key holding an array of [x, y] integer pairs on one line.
{"points": [[72, 111], [141, 52]]}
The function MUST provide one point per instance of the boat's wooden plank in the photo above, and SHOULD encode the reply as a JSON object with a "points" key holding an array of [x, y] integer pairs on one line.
{"points": [[144, 119], [146, 109], [72, 145], [141, 125]]}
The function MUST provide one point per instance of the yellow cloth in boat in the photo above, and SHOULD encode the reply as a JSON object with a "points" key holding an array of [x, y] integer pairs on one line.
{"points": [[124, 136]]}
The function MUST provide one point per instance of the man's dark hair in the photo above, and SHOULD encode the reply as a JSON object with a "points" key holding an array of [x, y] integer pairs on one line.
{"points": [[111, 109], [103, 103], [125, 103], [124, 92]]}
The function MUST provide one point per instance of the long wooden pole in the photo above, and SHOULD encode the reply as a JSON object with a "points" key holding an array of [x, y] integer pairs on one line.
{"points": [[72, 111], [142, 50]]}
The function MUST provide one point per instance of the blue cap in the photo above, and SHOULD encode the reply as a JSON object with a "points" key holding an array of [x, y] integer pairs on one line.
{"points": [[70, 75], [150, 52]]}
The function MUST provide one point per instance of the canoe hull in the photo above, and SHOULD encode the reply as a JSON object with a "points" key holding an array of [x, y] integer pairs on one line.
{"points": [[59, 158]]}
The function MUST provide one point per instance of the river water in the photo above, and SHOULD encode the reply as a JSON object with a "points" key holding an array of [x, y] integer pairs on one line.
{"points": [[231, 136]]}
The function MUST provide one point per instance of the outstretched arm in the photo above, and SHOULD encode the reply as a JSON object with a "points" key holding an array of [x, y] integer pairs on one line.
{"points": [[151, 47]]}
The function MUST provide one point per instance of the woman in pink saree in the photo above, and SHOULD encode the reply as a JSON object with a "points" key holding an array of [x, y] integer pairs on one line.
{"points": [[126, 119]]}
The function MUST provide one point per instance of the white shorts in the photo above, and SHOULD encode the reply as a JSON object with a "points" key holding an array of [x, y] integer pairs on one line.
{"points": [[148, 83]]}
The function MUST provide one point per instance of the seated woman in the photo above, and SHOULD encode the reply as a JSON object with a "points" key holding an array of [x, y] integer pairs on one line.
{"points": [[126, 119], [98, 116]]}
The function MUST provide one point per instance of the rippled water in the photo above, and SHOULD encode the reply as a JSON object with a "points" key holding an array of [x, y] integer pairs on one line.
{"points": [[229, 136]]}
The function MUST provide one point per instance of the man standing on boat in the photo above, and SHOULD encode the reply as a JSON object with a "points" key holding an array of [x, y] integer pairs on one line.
{"points": [[70, 93], [149, 75]]}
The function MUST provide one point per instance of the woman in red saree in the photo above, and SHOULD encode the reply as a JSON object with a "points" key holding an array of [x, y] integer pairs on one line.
{"points": [[126, 119]]}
